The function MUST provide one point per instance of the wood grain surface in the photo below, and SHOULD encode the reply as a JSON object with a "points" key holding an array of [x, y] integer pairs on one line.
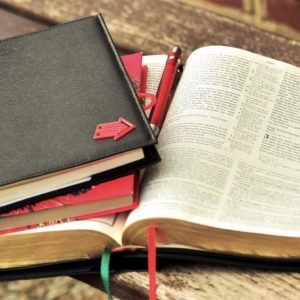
{"points": [[157, 25], [153, 27], [202, 281], [12, 24]]}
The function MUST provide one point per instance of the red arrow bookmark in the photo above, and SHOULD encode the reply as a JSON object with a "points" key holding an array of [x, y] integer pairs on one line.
{"points": [[114, 130]]}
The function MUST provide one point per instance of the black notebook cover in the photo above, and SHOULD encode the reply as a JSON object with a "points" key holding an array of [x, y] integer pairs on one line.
{"points": [[56, 86]]}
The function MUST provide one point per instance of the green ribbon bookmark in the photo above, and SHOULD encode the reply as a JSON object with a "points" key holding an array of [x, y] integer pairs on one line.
{"points": [[104, 271]]}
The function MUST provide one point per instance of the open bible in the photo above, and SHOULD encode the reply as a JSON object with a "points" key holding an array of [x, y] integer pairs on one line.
{"points": [[229, 179]]}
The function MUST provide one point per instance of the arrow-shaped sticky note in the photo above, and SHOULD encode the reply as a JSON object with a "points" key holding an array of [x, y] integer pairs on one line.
{"points": [[115, 130]]}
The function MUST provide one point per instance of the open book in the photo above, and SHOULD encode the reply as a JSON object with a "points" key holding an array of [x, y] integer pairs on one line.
{"points": [[229, 180]]}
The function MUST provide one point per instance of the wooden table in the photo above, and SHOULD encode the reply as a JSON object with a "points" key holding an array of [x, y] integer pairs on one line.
{"points": [[153, 27]]}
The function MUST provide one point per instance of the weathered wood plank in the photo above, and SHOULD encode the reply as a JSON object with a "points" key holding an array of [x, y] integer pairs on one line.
{"points": [[62, 288], [12, 24], [155, 26], [203, 281]]}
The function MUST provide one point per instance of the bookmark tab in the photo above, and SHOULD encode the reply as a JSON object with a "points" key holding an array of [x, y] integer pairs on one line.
{"points": [[144, 96], [115, 130], [152, 261], [104, 271]]}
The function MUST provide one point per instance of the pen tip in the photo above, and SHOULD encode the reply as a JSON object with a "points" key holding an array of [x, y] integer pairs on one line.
{"points": [[177, 50]]}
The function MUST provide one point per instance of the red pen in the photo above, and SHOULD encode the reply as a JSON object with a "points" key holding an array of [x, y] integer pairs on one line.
{"points": [[160, 109]]}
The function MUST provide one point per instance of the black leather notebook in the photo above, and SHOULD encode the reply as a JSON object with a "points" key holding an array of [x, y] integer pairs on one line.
{"points": [[57, 86]]}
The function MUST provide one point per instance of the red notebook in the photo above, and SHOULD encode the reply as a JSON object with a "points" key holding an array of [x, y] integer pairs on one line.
{"points": [[110, 197]]}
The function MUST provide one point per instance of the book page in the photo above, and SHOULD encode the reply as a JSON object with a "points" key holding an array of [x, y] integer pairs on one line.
{"points": [[230, 146], [155, 68], [156, 65], [111, 225], [61, 242]]}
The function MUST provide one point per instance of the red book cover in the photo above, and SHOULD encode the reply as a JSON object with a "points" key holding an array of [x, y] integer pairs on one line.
{"points": [[111, 189], [133, 66], [127, 185]]}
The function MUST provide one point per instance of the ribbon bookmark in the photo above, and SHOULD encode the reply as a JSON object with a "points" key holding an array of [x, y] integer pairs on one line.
{"points": [[104, 271], [152, 261], [105, 260], [143, 97]]}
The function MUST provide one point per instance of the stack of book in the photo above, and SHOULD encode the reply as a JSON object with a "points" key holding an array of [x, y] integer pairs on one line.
{"points": [[74, 133], [73, 130]]}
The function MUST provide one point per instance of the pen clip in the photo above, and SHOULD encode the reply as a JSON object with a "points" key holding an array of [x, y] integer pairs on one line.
{"points": [[152, 97]]}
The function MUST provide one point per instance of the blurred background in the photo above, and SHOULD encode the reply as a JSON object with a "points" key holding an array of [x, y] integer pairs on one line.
{"points": [[132, 17], [278, 16], [153, 27]]}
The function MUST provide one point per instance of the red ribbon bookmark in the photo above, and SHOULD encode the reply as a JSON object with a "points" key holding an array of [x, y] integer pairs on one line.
{"points": [[152, 261]]}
